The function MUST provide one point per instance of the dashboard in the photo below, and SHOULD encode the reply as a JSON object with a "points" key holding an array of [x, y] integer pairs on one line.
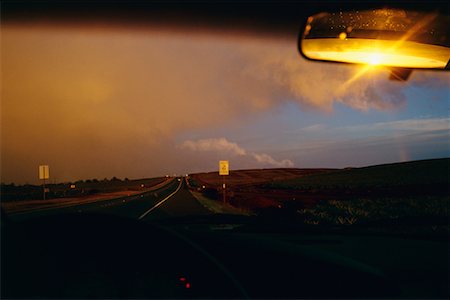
{"points": [[100, 256]]}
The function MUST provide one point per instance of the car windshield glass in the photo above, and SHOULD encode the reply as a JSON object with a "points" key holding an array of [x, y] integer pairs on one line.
{"points": [[93, 112]]}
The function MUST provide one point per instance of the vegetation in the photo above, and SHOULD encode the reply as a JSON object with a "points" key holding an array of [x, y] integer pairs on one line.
{"points": [[412, 195], [415, 173], [372, 210], [193, 183], [210, 193]]}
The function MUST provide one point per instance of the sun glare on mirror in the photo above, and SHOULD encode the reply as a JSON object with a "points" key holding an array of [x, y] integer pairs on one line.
{"points": [[377, 52], [375, 59], [379, 37]]}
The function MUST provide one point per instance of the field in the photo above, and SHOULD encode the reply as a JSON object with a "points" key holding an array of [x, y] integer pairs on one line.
{"points": [[243, 178], [406, 192], [244, 186], [408, 174]]}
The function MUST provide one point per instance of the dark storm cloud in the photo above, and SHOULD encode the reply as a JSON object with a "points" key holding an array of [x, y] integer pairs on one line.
{"points": [[97, 103]]}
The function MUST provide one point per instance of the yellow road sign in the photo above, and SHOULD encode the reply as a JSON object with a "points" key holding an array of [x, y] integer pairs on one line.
{"points": [[43, 172], [224, 167]]}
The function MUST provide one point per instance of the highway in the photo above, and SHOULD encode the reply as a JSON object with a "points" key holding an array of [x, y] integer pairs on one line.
{"points": [[171, 200]]}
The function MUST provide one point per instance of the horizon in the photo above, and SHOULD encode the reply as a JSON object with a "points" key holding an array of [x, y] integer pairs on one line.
{"points": [[216, 171]]}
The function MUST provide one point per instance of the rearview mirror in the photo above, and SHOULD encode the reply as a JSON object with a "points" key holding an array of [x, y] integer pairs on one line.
{"points": [[388, 37]]}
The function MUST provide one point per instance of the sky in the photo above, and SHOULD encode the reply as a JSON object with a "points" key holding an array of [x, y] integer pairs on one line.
{"points": [[102, 102]]}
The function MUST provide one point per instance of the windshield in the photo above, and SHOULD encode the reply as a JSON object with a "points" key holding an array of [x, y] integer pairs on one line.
{"points": [[153, 122]]}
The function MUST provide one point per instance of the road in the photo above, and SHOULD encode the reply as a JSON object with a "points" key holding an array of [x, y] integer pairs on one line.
{"points": [[171, 200]]}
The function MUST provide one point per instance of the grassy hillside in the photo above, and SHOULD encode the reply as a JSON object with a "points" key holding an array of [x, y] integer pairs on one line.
{"points": [[415, 173], [411, 196], [241, 178]]}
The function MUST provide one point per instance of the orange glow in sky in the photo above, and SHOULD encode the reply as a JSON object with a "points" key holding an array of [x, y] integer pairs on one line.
{"points": [[96, 103]]}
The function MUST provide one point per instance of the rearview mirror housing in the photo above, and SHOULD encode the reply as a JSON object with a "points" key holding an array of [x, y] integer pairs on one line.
{"points": [[399, 39]]}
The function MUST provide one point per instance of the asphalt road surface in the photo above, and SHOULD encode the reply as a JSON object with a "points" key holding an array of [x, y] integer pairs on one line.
{"points": [[171, 200]]}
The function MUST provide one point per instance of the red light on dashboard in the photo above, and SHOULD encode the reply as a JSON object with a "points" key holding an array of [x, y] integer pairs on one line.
{"points": [[185, 282]]}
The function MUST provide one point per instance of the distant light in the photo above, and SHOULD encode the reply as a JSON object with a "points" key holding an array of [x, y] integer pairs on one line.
{"points": [[342, 35], [307, 29], [142, 185], [182, 279], [72, 186], [188, 285], [203, 187]]}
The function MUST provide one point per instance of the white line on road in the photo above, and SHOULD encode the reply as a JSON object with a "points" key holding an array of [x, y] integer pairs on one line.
{"points": [[40, 209], [161, 202]]}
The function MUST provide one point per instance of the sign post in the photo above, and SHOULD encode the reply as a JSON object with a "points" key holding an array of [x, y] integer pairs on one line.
{"points": [[44, 174], [224, 171]]}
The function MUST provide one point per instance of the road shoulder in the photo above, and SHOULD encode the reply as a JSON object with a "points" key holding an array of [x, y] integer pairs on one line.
{"points": [[218, 207]]}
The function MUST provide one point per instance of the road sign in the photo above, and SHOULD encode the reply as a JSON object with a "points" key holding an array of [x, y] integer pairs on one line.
{"points": [[223, 167], [44, 172]]}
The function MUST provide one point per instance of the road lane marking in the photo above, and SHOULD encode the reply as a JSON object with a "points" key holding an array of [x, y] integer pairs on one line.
{"points": [[68, 205], [160, 202]]}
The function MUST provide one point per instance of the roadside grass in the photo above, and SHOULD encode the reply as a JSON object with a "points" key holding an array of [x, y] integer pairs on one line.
{"points": [[252, 177], [354, 211], [218, 207]]}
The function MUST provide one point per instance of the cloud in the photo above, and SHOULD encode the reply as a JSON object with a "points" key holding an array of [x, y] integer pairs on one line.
{"points": [[96, 103], [319, 86], [430, 124], [220, 144], [223, 145], [267, 159], [314, 128], [409, 125], [372, 150]]}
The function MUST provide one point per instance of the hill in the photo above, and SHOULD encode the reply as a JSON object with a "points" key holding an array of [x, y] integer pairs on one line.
{"points": [[414, 173], [242, 178], [416, 189]]}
